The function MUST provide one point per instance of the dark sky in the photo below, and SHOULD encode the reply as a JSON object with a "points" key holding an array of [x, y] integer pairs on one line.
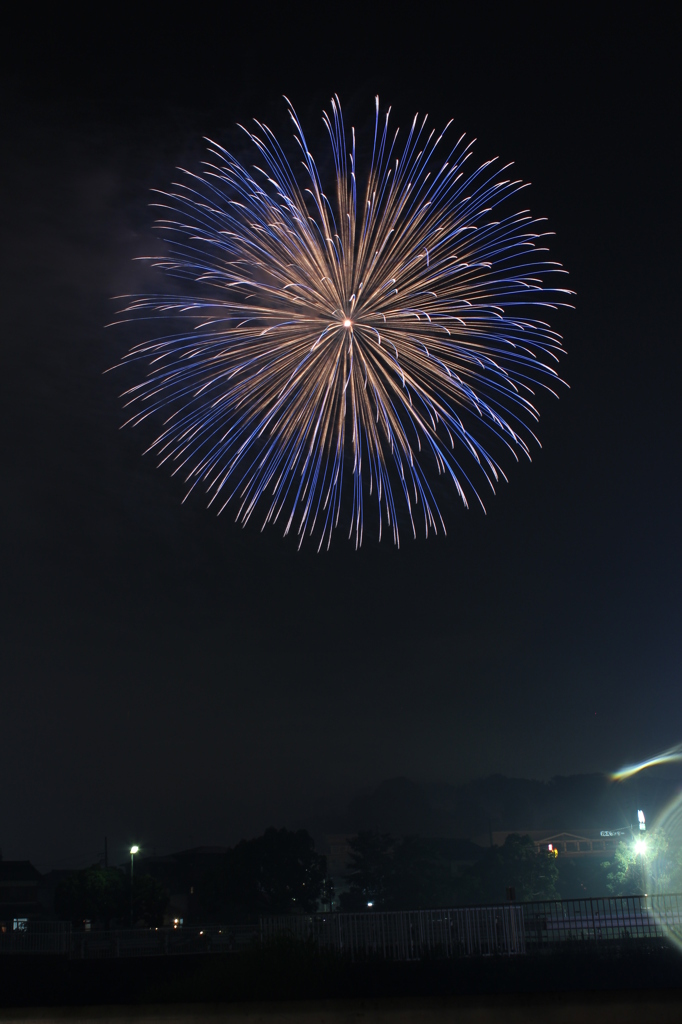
{"points": [[171, 679]]}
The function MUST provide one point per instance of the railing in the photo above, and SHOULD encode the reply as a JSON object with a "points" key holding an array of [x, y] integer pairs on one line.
{"points": [[162, 941], [37, 937], [410, 934], [58, 938], [604, 921], [505, 930]]}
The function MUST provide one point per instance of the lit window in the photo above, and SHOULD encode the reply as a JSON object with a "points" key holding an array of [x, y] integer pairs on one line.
{"points": [[20, 924]]}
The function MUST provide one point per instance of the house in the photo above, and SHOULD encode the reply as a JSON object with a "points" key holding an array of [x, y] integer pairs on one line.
{"points": [[585, 842], [19, 903]]}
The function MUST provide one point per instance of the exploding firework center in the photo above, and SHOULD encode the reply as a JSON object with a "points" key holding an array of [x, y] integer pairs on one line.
{"points": [[379, 336]]}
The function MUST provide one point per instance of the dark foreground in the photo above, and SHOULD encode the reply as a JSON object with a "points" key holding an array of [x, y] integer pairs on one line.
{"points": [[262, 981], [637, 1007]]}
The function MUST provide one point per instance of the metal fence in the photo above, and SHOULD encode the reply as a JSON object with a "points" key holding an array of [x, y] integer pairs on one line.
{"points": [[410, 934], [56, 938], [36, 937], [162, 941], [506, 930], [605, 921]]}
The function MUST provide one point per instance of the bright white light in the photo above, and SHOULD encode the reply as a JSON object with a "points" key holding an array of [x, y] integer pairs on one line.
{"points": [[370, 904], [640, 847], [134, 849], [347, 323]]}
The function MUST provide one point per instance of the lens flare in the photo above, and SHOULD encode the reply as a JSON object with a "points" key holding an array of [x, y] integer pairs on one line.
{"points": [[661, 854], [662, 872], [666, 757], [362, 340]]}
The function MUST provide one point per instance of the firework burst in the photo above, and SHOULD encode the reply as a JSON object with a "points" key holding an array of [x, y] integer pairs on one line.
{"points": [[354, 343]]}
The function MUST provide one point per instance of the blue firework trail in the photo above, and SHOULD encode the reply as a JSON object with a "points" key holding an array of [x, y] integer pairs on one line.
{"points": [[350, 344]]}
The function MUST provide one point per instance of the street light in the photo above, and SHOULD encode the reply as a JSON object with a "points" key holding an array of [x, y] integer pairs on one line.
{"points": [[133, 851], [640, 846]]}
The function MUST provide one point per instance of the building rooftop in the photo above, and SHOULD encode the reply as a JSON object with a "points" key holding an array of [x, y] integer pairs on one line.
{"points": [[18, 871]]}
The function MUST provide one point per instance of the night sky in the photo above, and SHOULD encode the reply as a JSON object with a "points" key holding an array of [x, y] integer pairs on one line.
{"points": [[172, 679]]}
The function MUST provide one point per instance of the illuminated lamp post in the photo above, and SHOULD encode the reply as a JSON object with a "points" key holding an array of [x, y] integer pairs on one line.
{"points": [[640, 844], [640, 851], [133, 851]]}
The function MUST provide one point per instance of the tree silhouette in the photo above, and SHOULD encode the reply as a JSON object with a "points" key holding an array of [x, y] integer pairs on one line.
{"points": [[96, 894], [653, 867], [102, 895], [516, 864], [276, 873], [371, 875]]}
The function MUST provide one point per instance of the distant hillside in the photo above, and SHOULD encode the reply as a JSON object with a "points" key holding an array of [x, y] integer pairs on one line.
{"points": [[403, 807]]}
